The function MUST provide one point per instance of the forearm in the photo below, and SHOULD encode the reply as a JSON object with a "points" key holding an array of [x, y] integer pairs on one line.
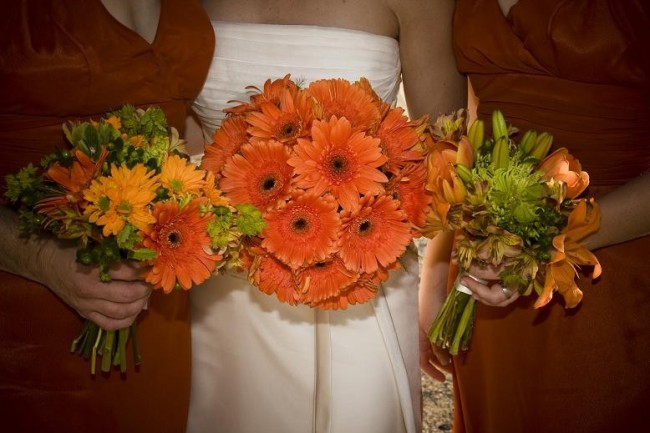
{"points": [[625, 214], [433, 276], [23, 254]]}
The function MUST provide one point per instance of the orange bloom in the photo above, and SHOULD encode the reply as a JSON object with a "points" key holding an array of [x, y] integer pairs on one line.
{"points": [[269, 93], [408, 188], [259, 174], [115, 121], [212, 193], [443, 182], [283, 123], [337, 97], [398, 138], [365, 85], [324, 280], [339, 160], [273, 277], [182, 244], [373, 235], [181, 177], [303, 231], [74, 180], [122, 197], [563, 166], [226, 141], [569, 254]]}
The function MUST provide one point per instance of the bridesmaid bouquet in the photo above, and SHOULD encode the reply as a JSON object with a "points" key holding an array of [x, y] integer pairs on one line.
{"points": [[339, 176], [125, 191], [512, 207]]}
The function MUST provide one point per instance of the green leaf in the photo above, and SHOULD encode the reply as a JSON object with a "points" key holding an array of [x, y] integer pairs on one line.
{"points": [[143, 254]]}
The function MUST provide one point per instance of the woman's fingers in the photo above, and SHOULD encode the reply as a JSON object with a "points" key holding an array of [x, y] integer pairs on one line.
{"points": [[495, 294]]}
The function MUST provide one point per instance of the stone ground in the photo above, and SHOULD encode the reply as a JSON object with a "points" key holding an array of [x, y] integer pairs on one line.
{"points": [[437, 403]]}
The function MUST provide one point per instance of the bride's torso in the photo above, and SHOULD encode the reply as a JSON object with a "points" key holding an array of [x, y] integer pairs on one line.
{"points": [[248, 54]]}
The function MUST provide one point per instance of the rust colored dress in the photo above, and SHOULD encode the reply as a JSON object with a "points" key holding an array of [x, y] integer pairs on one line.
{"points": [[61, 60], [578, 69]]}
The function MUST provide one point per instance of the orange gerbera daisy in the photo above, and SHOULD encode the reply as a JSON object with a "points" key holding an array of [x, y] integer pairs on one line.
{"points": [[398, 138], [373, 235], [259, 174], [181, 177], [284, 122], [226, 141], [339, 160], [365, 85], [182, 244], [359, 294], [408, 188], [273, 277], [73, 180], [569, 254], [269, 93], [303, 231], [122, 197], [324, 280], [337, 97]]}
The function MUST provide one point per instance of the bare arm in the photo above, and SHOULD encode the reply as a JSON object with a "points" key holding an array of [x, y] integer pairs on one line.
{"points": [[625, 214], [112, 305], [432, 84], [432, 294]]}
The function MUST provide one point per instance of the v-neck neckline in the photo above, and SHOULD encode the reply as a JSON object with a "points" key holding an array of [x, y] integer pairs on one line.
{"points": [[133, 33]]}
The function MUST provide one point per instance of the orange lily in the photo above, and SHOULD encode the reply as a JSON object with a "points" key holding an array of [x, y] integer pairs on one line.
{"points": [[74, 180], [465, 154], [563, 166], [569, 253]]}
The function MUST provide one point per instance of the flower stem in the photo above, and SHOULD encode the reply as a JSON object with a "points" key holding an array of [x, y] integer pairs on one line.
{"points": [[452, 327]]}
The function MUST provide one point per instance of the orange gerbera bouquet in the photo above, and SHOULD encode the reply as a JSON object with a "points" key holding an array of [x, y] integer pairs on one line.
{"points": [[339, 176], [512, 207], [124, 191]]}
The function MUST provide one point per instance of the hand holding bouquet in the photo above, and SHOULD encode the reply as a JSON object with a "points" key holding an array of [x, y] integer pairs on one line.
{"points": [[339, 176], [512, 207], [124, 191]]}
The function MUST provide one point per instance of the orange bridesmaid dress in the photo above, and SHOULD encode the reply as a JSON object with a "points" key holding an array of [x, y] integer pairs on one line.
{"points": [[66, 60], [580, 70]]}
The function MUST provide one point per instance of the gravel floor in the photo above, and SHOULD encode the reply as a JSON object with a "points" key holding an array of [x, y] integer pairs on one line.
{"points": [[437, 403]]}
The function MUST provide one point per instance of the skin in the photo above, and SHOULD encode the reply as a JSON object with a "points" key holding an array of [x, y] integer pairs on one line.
{"points": [[47, 261], [432, 85], [625, 215]]}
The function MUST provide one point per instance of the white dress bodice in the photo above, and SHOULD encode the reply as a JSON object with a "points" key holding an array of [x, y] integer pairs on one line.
{"points": [[249, 54]]}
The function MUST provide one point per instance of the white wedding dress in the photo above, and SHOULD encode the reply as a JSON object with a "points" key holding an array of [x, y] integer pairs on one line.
{"points": [[261, 366]]}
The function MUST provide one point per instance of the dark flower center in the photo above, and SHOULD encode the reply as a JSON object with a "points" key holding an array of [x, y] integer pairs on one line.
{"points": [[338, 164], [268, 183], [300, 224], [364, 227], [174, 239], [289, 129]]}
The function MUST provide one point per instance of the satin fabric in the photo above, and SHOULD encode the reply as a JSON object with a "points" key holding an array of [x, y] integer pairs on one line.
{"points": [[71, 60], [577, 70], [261, 365]]}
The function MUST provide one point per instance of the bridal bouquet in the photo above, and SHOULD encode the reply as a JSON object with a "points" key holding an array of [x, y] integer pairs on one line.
{"points": [[124, 191], [339, 176], [512, 207]]}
